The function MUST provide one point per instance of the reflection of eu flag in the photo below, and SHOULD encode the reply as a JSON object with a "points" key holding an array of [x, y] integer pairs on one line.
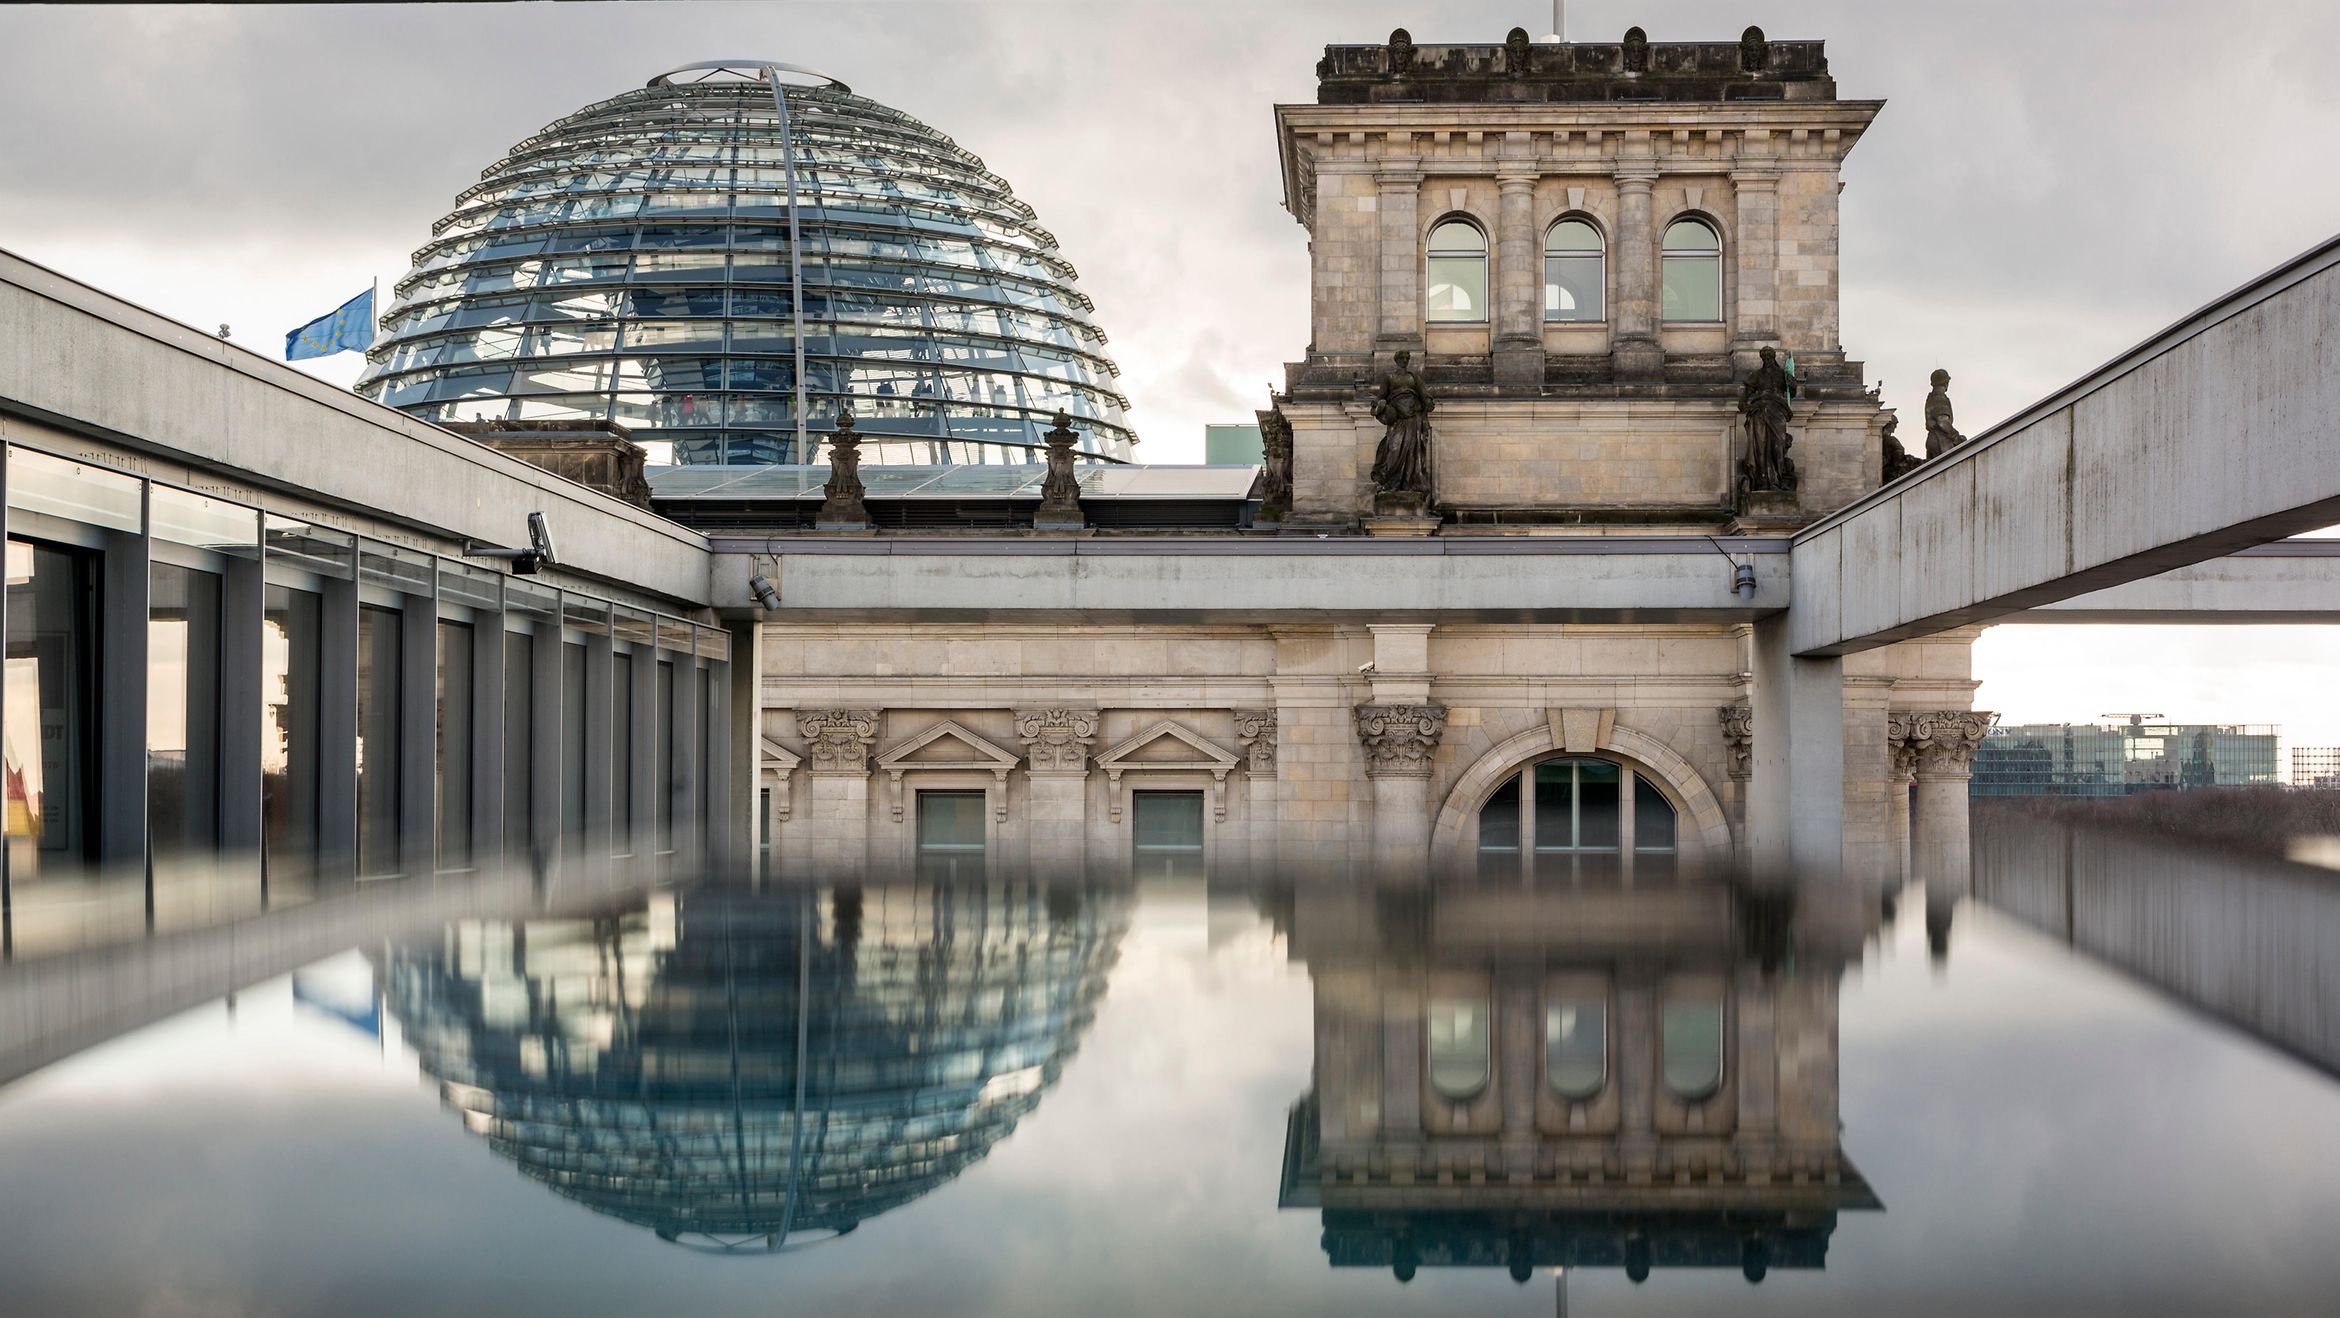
{"points": [[349, 329]]}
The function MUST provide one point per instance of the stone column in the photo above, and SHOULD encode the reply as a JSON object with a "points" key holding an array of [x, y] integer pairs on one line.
{"points": [[1257, 729], [1399, 743], [1795, 795], [1056, 809], [1397, 201], [1635, 317], [1755, 324], [1943, 743], [836, 835], [1519, 286]]}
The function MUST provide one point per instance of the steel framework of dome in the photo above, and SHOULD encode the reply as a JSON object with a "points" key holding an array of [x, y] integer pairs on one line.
{"points": [[768, 1070], [632, 263]]}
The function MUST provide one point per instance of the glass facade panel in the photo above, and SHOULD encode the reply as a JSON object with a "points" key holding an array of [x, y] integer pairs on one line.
{"points": [[666, 787], [1576, 1046], [380, 704], [456, 748], [51, 732], [573, 746], [950, 834], [289, 763], [206, 523], [182, 712], [1692, 1047], [621, 740], [1461, 1037], [73, 491]]}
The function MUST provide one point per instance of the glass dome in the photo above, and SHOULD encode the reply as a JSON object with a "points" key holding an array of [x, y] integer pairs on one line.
{"points": [[632, 263], [758, 1071]]}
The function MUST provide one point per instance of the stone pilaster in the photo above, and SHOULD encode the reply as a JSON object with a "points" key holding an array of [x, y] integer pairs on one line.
{"points": [[1400, 741], [1056, 747], [837, 746], [1397, 195], [1637, 353], [1256, 728], [1942, 744], [1755, 320], [1519, 339]]}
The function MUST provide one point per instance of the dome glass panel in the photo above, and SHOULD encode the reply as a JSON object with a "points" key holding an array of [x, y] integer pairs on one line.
{"points": [[633, 263]]}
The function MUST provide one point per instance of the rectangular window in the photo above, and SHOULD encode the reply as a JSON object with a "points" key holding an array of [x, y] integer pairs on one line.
{"points": [[1167, 833], [455, 745], [950, 835], [1457, 289], [1572, 288], [51, 728], [572, 748], [289, 764], [663, 771], [182, 712], [1693, 288], [519, 746], [621, 714], [380, 706]]}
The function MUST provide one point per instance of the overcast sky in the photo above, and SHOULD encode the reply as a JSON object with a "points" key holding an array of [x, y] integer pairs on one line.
{"points": [[2051, 181]]}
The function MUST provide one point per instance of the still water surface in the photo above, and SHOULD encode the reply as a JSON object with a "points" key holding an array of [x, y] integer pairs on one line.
{"points": [[1181, 1098]]}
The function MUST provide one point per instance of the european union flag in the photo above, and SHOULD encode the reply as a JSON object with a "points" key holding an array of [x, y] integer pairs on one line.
{"points": [[350, 329]]}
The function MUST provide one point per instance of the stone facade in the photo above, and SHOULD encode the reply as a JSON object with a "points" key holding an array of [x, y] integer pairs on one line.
{"points": [[1340, 743], [1560, 423], [1325, 749]]}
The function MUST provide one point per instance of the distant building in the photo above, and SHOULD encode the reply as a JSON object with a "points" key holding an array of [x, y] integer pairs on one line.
{"points": [[1233, 445], [2116, 759], [2315, 766]]}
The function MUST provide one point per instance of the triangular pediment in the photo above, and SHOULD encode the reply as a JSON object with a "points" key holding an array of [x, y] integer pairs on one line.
{"points": [[1166, 745], [947, 745], [778, 757]]}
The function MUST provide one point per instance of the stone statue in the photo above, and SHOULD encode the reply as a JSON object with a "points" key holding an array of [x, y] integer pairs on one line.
{"points": [[842, 510], [1401, 465], [1401, 52], [1636, 50], [1060, 490], [1941, 435], [1899, 462], [1763, 400], [1754, 51], [1516, 52], [1275, 478]]}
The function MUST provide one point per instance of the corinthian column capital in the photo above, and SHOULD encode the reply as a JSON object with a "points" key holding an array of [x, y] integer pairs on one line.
{"points": [[1938, 743], [1400, 739]]}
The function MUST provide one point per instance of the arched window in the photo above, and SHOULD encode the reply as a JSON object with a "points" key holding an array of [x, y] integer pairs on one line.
{"points": [[1573, 816], [1693, 272], [1692, 1047], [1462, 1039], [1576, 1045], [1573, 278], [1457, 276]]}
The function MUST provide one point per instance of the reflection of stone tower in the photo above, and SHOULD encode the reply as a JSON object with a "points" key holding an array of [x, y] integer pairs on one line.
{"points": [[740, 1071], [1635, 1078]]}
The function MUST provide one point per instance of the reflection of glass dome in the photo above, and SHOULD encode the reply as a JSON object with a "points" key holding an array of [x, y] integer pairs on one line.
{"points": [[652, 1067], [632, 263]]}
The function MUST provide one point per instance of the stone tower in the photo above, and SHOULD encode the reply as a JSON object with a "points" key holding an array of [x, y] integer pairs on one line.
{"points": [[1584, 247]]}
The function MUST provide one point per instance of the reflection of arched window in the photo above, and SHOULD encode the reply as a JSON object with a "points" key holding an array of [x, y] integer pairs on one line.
{"points": [[1692, 1047], [1461, 1045], [1559, 812], [1457, 275], [1693, 272], [1576, 1045], [1573, 278]]}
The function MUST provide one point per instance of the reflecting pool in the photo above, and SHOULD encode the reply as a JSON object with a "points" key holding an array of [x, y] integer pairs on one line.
{"points": [[1484, 1096]]}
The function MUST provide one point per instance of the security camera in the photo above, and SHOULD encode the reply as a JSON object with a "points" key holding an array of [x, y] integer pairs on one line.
{"points": [[1365, 668], [766, 593], [525, 562]]}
